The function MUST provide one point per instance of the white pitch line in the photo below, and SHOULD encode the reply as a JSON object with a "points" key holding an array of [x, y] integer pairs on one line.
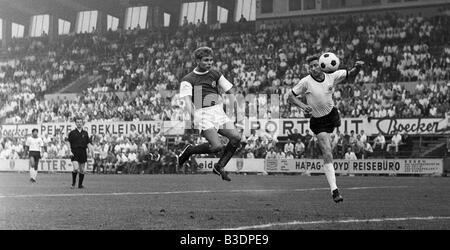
{"points": [[188, 192], [296, 223]]}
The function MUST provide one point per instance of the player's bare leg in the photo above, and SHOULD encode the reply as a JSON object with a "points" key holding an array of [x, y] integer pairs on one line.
{"points": [[74, 173], [325, 145]]}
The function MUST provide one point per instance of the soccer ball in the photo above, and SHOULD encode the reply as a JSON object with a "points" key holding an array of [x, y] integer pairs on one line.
{"points": [[329, 62]]}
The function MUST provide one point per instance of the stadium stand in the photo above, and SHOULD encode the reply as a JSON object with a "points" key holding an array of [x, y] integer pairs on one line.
{"points": [[147, 64]]}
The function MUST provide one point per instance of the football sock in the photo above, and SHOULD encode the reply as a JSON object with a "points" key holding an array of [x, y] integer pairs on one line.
{"points": [[229, 151], [80, 180], [204, 148], [32, 173], [331, 178], [74, 178]]}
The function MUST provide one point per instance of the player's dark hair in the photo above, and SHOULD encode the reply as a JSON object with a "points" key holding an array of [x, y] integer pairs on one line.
{"points": [[34, 129], [202, 52], [309, 59]]}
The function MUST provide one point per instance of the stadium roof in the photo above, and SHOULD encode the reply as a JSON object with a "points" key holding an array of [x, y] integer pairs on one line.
{"points": [[21, 9]]}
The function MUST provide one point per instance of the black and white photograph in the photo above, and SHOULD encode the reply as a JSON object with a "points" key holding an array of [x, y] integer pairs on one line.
{"points": [[235, 118]]}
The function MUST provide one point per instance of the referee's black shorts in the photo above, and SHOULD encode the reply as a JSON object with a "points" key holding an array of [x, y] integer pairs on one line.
{"points": [[325, 123], [79, 155]]}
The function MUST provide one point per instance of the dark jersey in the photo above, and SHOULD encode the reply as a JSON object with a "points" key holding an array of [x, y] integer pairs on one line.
{"points": [[79, 139], [204, 88]]}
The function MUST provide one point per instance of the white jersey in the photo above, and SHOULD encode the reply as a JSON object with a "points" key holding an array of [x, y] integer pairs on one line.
{"points": [[319, 95], [34, 144]]}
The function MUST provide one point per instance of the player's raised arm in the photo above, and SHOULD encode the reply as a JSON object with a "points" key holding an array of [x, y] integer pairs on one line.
{"points": [[342, 74], [355, 70]]}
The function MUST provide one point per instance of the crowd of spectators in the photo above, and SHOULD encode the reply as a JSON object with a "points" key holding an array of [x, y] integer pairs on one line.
{"points": [[137, 153], [298, 146], [112, 154], [263, 60], [33, 68], [145, 66]]}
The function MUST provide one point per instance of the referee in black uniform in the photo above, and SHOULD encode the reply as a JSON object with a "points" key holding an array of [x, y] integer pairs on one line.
{"points": [[79, 141]]}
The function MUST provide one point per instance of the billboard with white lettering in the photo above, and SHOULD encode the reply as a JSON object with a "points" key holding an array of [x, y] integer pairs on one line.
{"points": [[237, 165], [111, 128], [278, 127], [17, 165], [45, 165], [61, 165], [368, 166], [147, 128]]}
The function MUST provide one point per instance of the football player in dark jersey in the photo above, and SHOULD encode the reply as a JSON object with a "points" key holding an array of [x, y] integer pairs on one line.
{"points": [[200, 89]]}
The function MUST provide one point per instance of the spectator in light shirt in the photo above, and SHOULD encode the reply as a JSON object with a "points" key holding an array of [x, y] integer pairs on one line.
{"points": [[395, 142]]}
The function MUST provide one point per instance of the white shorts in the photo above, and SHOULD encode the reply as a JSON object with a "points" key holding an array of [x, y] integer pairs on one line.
{"points": [[210, 117]]}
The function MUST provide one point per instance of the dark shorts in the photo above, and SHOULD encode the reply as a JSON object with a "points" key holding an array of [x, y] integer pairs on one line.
{"points": [[325, 123], [79, 155], [36, 155]]}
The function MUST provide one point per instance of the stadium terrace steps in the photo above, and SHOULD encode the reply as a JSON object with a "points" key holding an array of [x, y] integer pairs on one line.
{"points": [[436, 151], [430, 146]]}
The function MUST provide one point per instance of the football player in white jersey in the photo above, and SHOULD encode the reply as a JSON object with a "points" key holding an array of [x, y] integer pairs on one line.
{"points": [[33, 148], [318, 88]]}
